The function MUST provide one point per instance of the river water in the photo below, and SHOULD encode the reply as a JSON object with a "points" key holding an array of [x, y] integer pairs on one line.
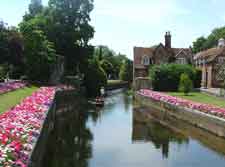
{"points": [[116, 136]]}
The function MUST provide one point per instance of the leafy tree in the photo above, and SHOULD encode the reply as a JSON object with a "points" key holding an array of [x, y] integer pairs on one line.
{"points": [[39, 52], [203, 43], [35, 7], [70, 31], [126, 71], [95, 78], [4, 50], [199, 44], [186, 84], [105, 53], [107, 67], [11, 49]]}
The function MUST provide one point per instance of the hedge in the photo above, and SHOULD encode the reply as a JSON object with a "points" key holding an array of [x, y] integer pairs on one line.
{"points": [[166, 77]]}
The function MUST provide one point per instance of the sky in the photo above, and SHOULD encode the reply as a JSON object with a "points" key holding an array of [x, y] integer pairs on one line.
{"points": [[123, 24]]}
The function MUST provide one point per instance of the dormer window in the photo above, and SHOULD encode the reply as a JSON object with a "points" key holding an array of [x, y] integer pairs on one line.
{"points": [[145, 60]]}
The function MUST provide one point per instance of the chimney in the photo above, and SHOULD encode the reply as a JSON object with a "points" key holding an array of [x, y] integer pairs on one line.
{"points": [[168, 40], [221, 43]]}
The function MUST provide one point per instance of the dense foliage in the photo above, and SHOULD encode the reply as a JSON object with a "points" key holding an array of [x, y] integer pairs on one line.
{"points": [[61, 28], [203, 43], [40, 54], [11, 48], [126, 71], [166, 77], [95, 78], [186, 84], [110, 61], [198, 78]]}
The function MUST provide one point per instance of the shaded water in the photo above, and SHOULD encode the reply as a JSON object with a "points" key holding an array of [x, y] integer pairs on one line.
{"points": [[116, 136]]}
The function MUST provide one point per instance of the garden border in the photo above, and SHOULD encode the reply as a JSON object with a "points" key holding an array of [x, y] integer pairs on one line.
{"points": [[208, 122], [47, 127]]}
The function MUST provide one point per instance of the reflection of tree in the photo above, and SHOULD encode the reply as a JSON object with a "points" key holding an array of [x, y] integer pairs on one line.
{"points": [[70, 145], [154, 132], [127, 101]]}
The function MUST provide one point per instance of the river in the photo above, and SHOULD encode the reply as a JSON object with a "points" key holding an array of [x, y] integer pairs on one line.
{"points": [[116, 136]]}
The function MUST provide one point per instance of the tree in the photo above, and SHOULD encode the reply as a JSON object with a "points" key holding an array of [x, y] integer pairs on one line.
{"points": [[11, 49], [186, 84], [199, 44], [35, 7], [40, 54], [108, 55], [107, 67], [126, 71], [203, 43], [70, 31], [4, 50], [95, 78]]}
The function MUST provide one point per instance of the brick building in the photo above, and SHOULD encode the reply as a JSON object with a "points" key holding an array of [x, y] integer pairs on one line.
{"points": [[212, 64], [159, 54]]}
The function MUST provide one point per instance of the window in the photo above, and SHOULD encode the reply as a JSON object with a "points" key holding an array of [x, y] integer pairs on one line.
{"points": [[145, 60], [181, 61], [221, 60]]}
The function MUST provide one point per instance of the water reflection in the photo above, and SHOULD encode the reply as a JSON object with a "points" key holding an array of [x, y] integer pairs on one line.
{"points": [[70, 144], [120, 135], [152, 131]]}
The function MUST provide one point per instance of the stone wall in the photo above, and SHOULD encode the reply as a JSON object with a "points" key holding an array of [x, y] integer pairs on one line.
{"points": [[142, 83], [147, 115], [199, 119], [39, 150]]}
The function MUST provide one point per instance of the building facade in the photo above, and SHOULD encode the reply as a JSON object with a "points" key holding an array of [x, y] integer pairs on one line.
{"points": [[212, 64], [144, 57]]}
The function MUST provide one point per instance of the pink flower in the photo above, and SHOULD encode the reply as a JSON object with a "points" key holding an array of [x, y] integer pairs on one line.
{"points": [[158, 96]]}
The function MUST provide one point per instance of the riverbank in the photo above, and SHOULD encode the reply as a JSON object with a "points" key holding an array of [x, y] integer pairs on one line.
{"points": [[206, 117], [116, 84], [200, 97], [23, 125]]}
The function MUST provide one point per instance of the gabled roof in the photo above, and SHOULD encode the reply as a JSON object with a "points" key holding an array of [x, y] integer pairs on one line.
{"points": [[185, 51], [210, 54]]}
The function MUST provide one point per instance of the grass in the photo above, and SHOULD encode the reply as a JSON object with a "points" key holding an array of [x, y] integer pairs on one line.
{"points": [[201, 97], [115, 82], [10, 99]]}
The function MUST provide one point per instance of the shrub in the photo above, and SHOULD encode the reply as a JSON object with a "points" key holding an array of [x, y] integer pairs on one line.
{"points": [[198, 79], [185, 84], [3, 71], [95, 78], [126, 69], [166, 77]]}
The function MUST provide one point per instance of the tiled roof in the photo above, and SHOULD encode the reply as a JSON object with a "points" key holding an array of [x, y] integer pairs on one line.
{"points": [[140, 51], [210, 54]]}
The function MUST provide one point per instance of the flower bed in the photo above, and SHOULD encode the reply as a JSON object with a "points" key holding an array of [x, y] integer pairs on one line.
{"points": [[206, 108], [10, 86], [21, 126]]}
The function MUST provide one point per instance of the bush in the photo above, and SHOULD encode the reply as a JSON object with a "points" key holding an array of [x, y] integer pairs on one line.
{"points": [[126, 71], [198, 79], [166, 77], [95, 78], [3, 71], [186, 84]]}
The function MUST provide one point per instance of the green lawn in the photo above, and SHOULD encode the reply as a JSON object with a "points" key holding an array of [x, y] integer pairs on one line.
{"points": [[201, 97], [115, 82], [10, 99]]}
